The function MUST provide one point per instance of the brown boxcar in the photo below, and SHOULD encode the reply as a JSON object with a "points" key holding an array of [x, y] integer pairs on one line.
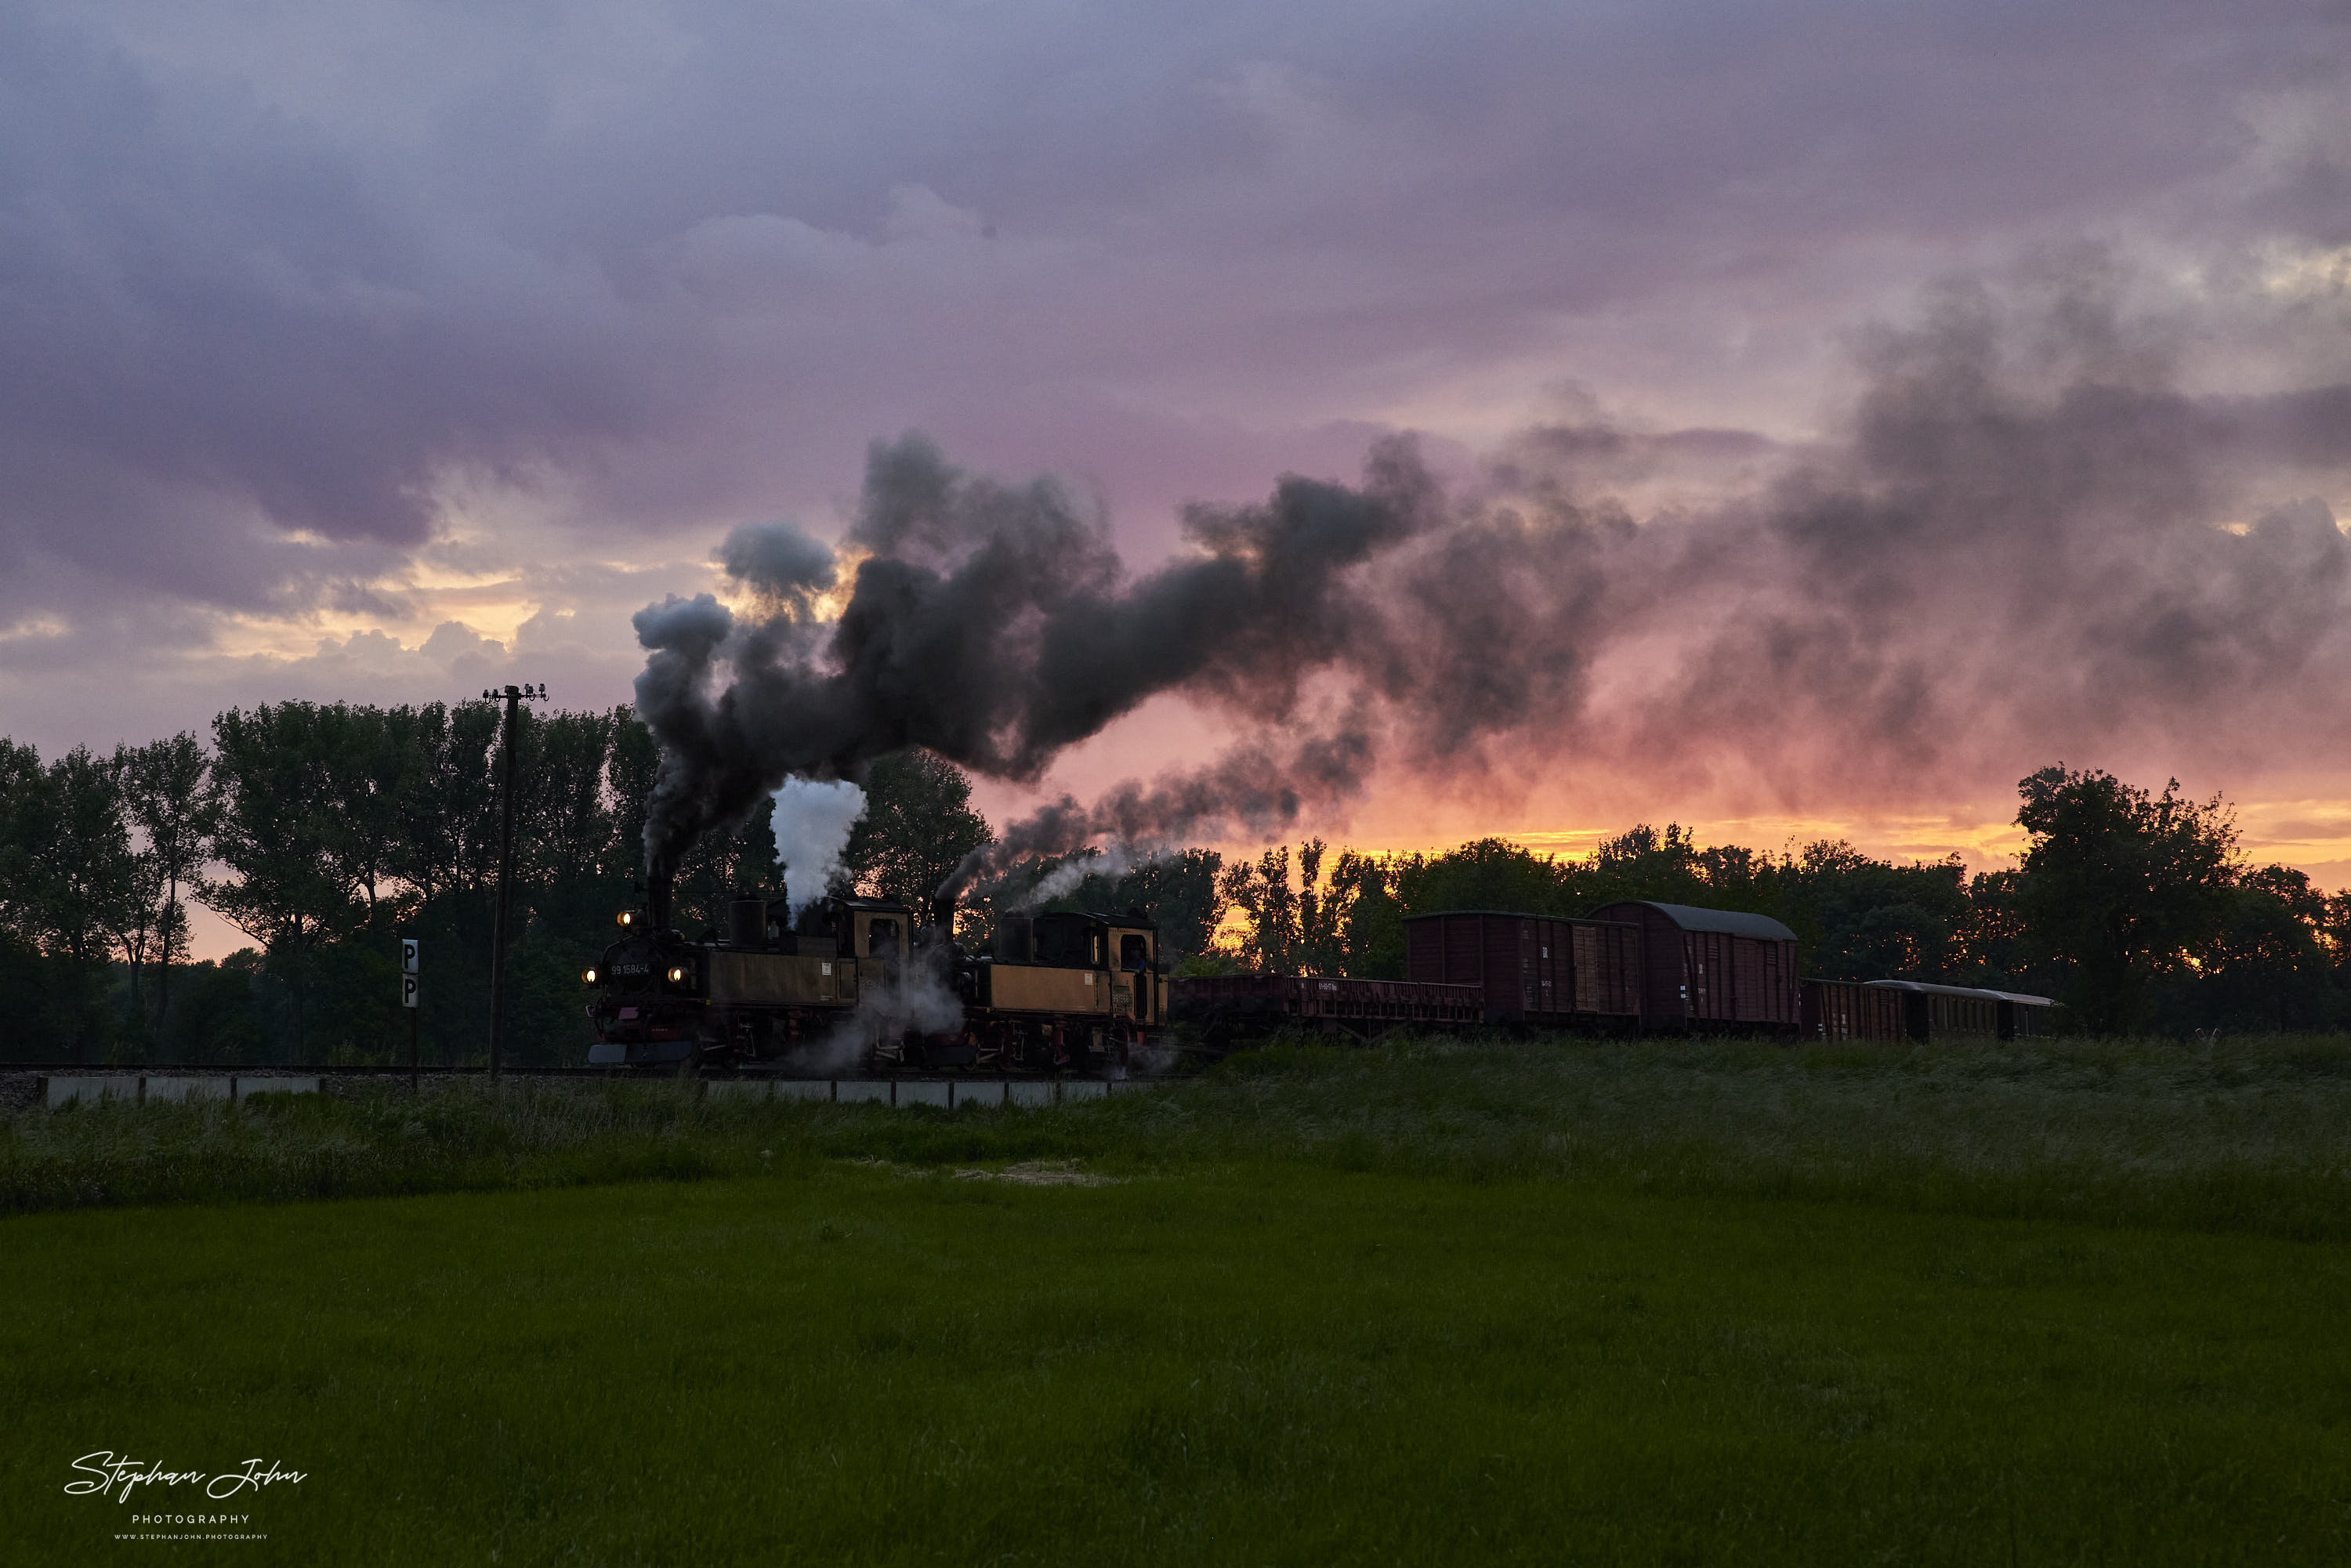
{"points": [[1534, 969], [1713, 968], [1966, 1012], [1848, 1010]]}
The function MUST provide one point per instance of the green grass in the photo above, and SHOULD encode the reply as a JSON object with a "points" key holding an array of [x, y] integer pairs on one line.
{"points": [[1648, 1303], [2251, 1136]]}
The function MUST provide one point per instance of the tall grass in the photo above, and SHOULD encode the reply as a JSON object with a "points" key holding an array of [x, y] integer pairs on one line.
{"points": [[2247, 1135]]}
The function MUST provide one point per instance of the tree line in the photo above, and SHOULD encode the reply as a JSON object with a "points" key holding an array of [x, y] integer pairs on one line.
{"points": [[328, 833], [2134, 907]]}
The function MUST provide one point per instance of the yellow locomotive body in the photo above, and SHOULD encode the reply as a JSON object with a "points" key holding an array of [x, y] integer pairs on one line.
{"points": [[1058, 990]]}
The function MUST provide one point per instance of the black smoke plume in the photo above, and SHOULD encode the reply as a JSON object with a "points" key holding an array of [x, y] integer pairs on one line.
{"points": [[2027, 542], [996, 625]]}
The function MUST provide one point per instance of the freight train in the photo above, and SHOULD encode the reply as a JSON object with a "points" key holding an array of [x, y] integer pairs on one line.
{"points": [[867, 985], [1634, 967]]}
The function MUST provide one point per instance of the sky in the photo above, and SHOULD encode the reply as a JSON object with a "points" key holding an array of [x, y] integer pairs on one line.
{"points": [[1928, 394]]}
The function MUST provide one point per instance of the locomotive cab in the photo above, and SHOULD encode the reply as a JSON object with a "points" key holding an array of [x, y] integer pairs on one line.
{"points": [[1066, 989]]}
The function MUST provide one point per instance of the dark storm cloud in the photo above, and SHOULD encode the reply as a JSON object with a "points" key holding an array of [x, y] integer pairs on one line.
{"points": [[276, 284], [213, 316], [245, 267]]}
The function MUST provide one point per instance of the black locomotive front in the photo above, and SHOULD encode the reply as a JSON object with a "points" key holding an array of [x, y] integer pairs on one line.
{"points": [[649, 1005]]}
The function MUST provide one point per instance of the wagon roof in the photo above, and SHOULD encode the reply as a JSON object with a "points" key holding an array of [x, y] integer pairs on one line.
{"points": [[1689, 917], [1975, 991]]}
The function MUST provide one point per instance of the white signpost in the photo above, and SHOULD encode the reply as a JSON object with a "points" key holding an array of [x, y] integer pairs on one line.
{"points": [[408, 1000]]}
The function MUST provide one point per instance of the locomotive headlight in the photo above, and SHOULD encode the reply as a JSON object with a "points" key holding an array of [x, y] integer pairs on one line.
{"points": [[676, 975], [589, 975], [628, 917]]}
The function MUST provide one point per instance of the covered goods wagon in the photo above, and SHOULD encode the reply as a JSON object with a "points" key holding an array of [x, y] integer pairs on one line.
{"points": [[1849, 1010], [1533, 968], [1712, 968], [1933, 1012]]}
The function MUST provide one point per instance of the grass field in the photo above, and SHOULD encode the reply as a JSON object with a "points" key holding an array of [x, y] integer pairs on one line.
{"points": [[1728, 1304]]}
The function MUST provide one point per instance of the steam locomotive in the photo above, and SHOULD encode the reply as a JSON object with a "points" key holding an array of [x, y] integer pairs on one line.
{"points": [[862, 984]]}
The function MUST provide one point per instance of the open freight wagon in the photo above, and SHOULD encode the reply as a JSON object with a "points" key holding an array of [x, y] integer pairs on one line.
{"points": [[1228, 1009]]}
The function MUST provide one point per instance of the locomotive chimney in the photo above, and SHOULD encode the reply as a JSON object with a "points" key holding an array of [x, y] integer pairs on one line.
{"points": [[746, 922], [657, 891]]}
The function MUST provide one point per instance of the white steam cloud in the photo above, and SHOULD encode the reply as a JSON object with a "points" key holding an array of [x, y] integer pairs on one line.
{"points": [[1109, 863], [813, 825]]}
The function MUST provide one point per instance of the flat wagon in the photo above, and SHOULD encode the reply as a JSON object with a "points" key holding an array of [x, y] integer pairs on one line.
{"points": [[1225, 1007]]}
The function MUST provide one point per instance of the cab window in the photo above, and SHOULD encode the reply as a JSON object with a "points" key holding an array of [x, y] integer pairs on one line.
{"points": [[1134, 951], [882, 940]]}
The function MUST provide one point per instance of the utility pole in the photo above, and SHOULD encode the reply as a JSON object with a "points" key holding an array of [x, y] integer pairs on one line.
{"points": [[514, 697]]}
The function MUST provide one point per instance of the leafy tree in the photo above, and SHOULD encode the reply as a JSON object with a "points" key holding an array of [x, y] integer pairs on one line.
{"points": [[2121, 888], [220, 1020], [564, 817], [1991, 948], [2268, 966], [1485, 874], [166, 789], [283, 835], [1179, 893], [22, 788], [72, 877], [1270, 942], [917, 828], [77, 857], [1371, 922], [446, 803], [1871, 920], [137, 915]]}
